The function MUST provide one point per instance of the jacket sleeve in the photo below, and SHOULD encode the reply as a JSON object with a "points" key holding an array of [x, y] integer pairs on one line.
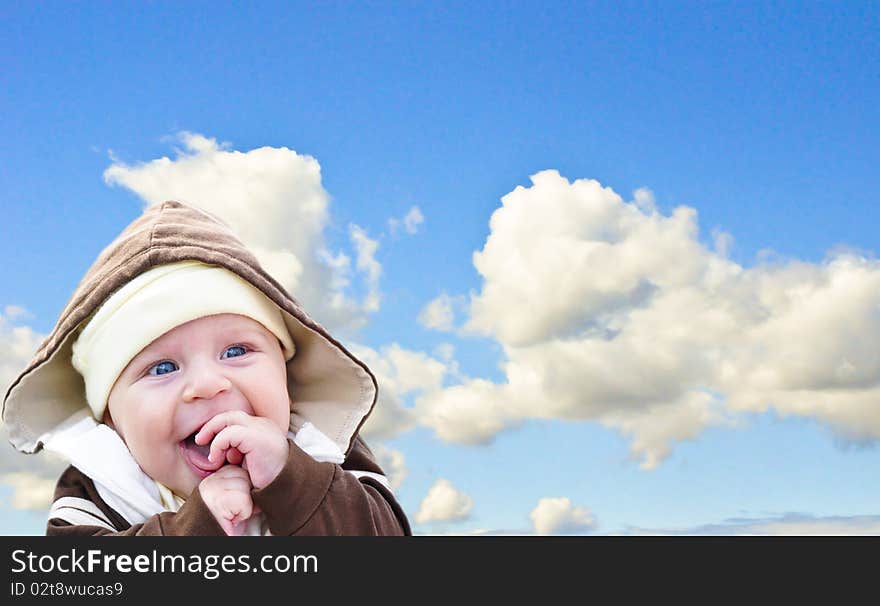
{"points": [[78, 510], [311, 498]]}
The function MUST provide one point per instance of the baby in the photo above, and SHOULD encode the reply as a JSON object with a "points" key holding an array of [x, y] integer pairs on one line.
{"points": [[205, 406], [191, 394]]}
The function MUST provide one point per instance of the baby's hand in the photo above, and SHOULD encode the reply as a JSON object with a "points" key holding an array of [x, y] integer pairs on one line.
{"points": [[236, 435], [227, 493]]}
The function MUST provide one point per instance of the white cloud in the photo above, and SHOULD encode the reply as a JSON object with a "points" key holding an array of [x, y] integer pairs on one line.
{"points": [[445, 351], [30, 491], [643, 198], [444, 503], [414, 370], [273, 198], [654, 431], [559, 516], [561, 256], [393, 463], [723, 242], [439, 314], [21, 343], [410, 222], [611, 312], [366, 262], [16, 312], [472, 412]]}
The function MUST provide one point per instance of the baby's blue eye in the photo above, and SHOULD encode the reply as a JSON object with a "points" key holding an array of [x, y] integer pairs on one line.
{"points": [[162, 365], [236, 348]]}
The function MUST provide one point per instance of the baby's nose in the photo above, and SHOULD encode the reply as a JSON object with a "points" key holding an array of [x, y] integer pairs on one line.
{"points": [[205, 383]]}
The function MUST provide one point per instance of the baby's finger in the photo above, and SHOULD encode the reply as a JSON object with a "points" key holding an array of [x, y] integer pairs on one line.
{"points": [[238, 505], [229, 471], [234, 456], [230, 437], [217, 423], [236, 483]]}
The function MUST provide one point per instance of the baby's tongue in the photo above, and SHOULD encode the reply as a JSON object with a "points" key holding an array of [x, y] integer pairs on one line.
{"points": [[198, 453]]}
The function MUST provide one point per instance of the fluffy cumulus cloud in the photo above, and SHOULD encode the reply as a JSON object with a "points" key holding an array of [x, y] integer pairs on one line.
{"points": [[611, 311], [559, 516], [274, 199], [444, 503]]}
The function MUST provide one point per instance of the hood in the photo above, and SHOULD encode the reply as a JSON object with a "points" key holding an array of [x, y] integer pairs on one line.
{"points": [[329, 386]]}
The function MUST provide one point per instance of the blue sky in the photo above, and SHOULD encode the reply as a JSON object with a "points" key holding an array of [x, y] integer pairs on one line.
{"points": [[763, 119]]}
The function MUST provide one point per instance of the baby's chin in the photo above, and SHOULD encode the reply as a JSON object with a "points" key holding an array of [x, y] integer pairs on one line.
{"points": [[184, 486], [185, 479]]}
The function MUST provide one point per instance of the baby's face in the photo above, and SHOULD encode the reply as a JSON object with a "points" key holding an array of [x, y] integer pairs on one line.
{"points": [[188, 375]]}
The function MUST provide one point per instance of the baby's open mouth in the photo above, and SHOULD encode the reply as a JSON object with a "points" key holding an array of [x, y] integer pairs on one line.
{"points": [[197, 456]]}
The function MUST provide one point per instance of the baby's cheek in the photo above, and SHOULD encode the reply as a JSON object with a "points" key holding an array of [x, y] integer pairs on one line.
{"points": [[156, 443], [277, 410]]}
